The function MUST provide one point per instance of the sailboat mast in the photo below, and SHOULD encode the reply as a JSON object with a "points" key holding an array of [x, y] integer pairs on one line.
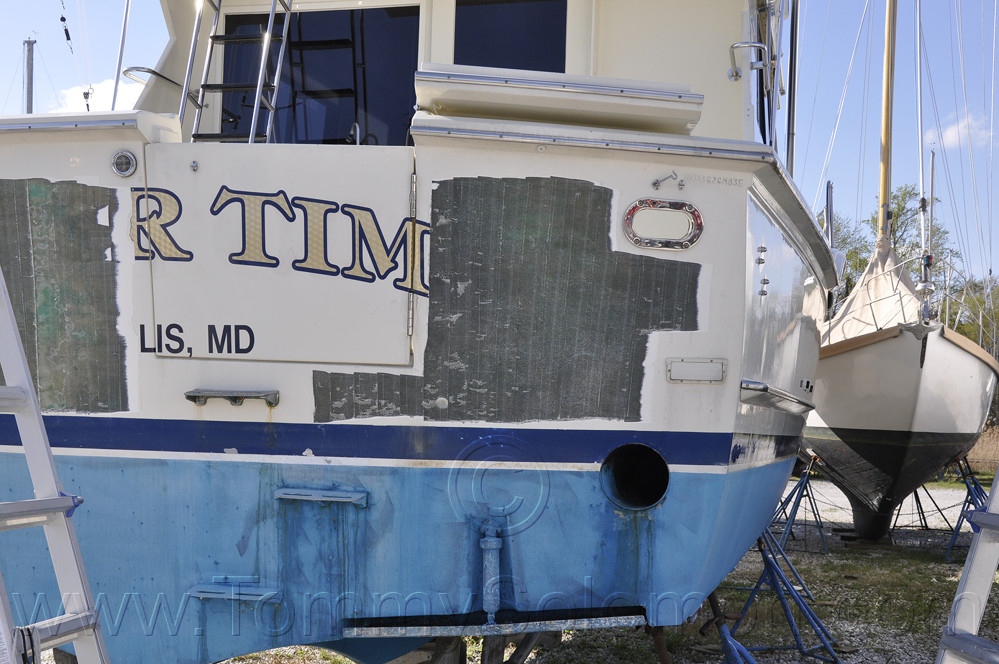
{"points": [[924, 238], [29, 76], [887, 87]]}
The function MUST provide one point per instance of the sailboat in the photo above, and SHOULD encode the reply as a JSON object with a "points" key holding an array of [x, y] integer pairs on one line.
{"points": [[375, 325], [898, 393]]}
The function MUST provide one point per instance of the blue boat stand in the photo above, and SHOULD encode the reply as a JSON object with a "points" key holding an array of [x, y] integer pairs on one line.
{"points": [[974, 499], [735, 652], [787, 511], [774, 578]]}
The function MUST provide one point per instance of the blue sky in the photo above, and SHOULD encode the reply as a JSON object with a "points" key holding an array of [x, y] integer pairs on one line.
{"points": [[61, 76], [830, 29], [830, 32]]}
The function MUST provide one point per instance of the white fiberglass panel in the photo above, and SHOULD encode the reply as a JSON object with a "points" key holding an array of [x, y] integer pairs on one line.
{"points": [[279, 252]]}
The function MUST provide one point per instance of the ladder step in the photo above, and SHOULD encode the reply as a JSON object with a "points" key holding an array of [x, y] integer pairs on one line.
{"points": [[975, 647], [228, 138], [13, 399], [61, 629], [34, 512], [984, 519], [235, 87], [328, 94], [320, 44], [257, 38]]}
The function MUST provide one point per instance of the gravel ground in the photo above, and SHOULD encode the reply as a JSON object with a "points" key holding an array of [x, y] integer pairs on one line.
{"points": [[883, 603]]}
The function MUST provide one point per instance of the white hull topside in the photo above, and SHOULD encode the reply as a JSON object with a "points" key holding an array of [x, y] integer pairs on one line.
{"points": [[914, 379], [176, 295]]}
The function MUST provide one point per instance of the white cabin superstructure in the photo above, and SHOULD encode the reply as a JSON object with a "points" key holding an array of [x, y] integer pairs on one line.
{"points": [[671, 46]]}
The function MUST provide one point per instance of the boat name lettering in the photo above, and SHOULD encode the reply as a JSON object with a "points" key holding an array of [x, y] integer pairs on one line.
{"points": [[155, 211]]}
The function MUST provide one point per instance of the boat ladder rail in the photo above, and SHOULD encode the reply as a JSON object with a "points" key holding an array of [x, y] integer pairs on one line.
{"points": [[960, 641], [265, 89], [51, 509]]}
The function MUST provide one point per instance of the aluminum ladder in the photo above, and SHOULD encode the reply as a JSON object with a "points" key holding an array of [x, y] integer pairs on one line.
{"points": [[50, 509], [265, 91], [960, 642]]}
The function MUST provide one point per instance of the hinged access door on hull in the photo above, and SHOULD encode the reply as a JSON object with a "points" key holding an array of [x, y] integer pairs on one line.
{"points": [[280, 252]]}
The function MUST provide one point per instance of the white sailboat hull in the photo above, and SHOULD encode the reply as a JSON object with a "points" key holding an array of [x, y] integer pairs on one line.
{"points": [[917, 399]]}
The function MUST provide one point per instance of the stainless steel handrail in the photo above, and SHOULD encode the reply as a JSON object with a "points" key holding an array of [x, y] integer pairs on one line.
{"points": [[130, 73]]}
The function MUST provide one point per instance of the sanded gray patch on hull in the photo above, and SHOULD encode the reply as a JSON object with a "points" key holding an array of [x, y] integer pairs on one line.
{"points": [[532, 316], [60, 272], [341, 396]]}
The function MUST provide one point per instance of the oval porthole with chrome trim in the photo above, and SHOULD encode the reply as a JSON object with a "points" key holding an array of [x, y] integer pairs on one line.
{"points": [[123, 163], [657, 224]]}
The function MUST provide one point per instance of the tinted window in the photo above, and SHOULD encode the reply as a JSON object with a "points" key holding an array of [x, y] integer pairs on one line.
{"points": [[347, 76], [513, 34]]}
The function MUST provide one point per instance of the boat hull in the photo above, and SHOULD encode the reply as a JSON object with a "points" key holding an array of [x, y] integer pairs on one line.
{"points": [[193, 556], [916, 402], [426, 386]]}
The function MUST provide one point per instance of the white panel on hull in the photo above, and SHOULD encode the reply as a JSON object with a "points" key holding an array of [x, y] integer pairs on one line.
{"points": [[243, 259]]}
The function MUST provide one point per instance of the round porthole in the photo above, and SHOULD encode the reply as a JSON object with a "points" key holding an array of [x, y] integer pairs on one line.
{"points": [[634, 476], [123, 163]]}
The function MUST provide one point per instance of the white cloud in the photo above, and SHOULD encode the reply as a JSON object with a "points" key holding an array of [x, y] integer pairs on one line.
{"points": [[955, 134], [101, 94]]}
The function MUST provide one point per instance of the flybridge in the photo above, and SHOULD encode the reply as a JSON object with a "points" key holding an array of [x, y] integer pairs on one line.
{"points": [[155, 211]]}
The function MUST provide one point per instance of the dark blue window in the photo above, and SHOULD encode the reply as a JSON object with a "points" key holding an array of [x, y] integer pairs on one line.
{"points": [[347, 76], [512, 34]]}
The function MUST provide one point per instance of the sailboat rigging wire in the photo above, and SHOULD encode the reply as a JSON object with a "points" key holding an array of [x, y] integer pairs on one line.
{"points": [[992, 117], [816, 78], [839, 109], [48, 75], [865, 107], [971, 147], [919, 125], [84, 44], [957, 132], [10, 89], [959, 228]]}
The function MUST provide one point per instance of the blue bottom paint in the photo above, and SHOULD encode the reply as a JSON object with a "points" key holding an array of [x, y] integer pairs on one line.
{"points": [[291, 571]]}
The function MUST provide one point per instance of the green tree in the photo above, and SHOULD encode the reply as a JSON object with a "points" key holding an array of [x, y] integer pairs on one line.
{"points": [[972, 311], [857, 242], [904, 227]]}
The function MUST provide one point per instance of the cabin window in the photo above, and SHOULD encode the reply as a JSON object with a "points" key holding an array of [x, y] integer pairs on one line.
{"points": [[511, 34], [347, 76]]}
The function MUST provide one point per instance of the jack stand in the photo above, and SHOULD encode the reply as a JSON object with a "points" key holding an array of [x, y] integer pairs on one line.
{"points": [[793, 499], [921, 511], [775, 579], [735, 652], [974, 499]]}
